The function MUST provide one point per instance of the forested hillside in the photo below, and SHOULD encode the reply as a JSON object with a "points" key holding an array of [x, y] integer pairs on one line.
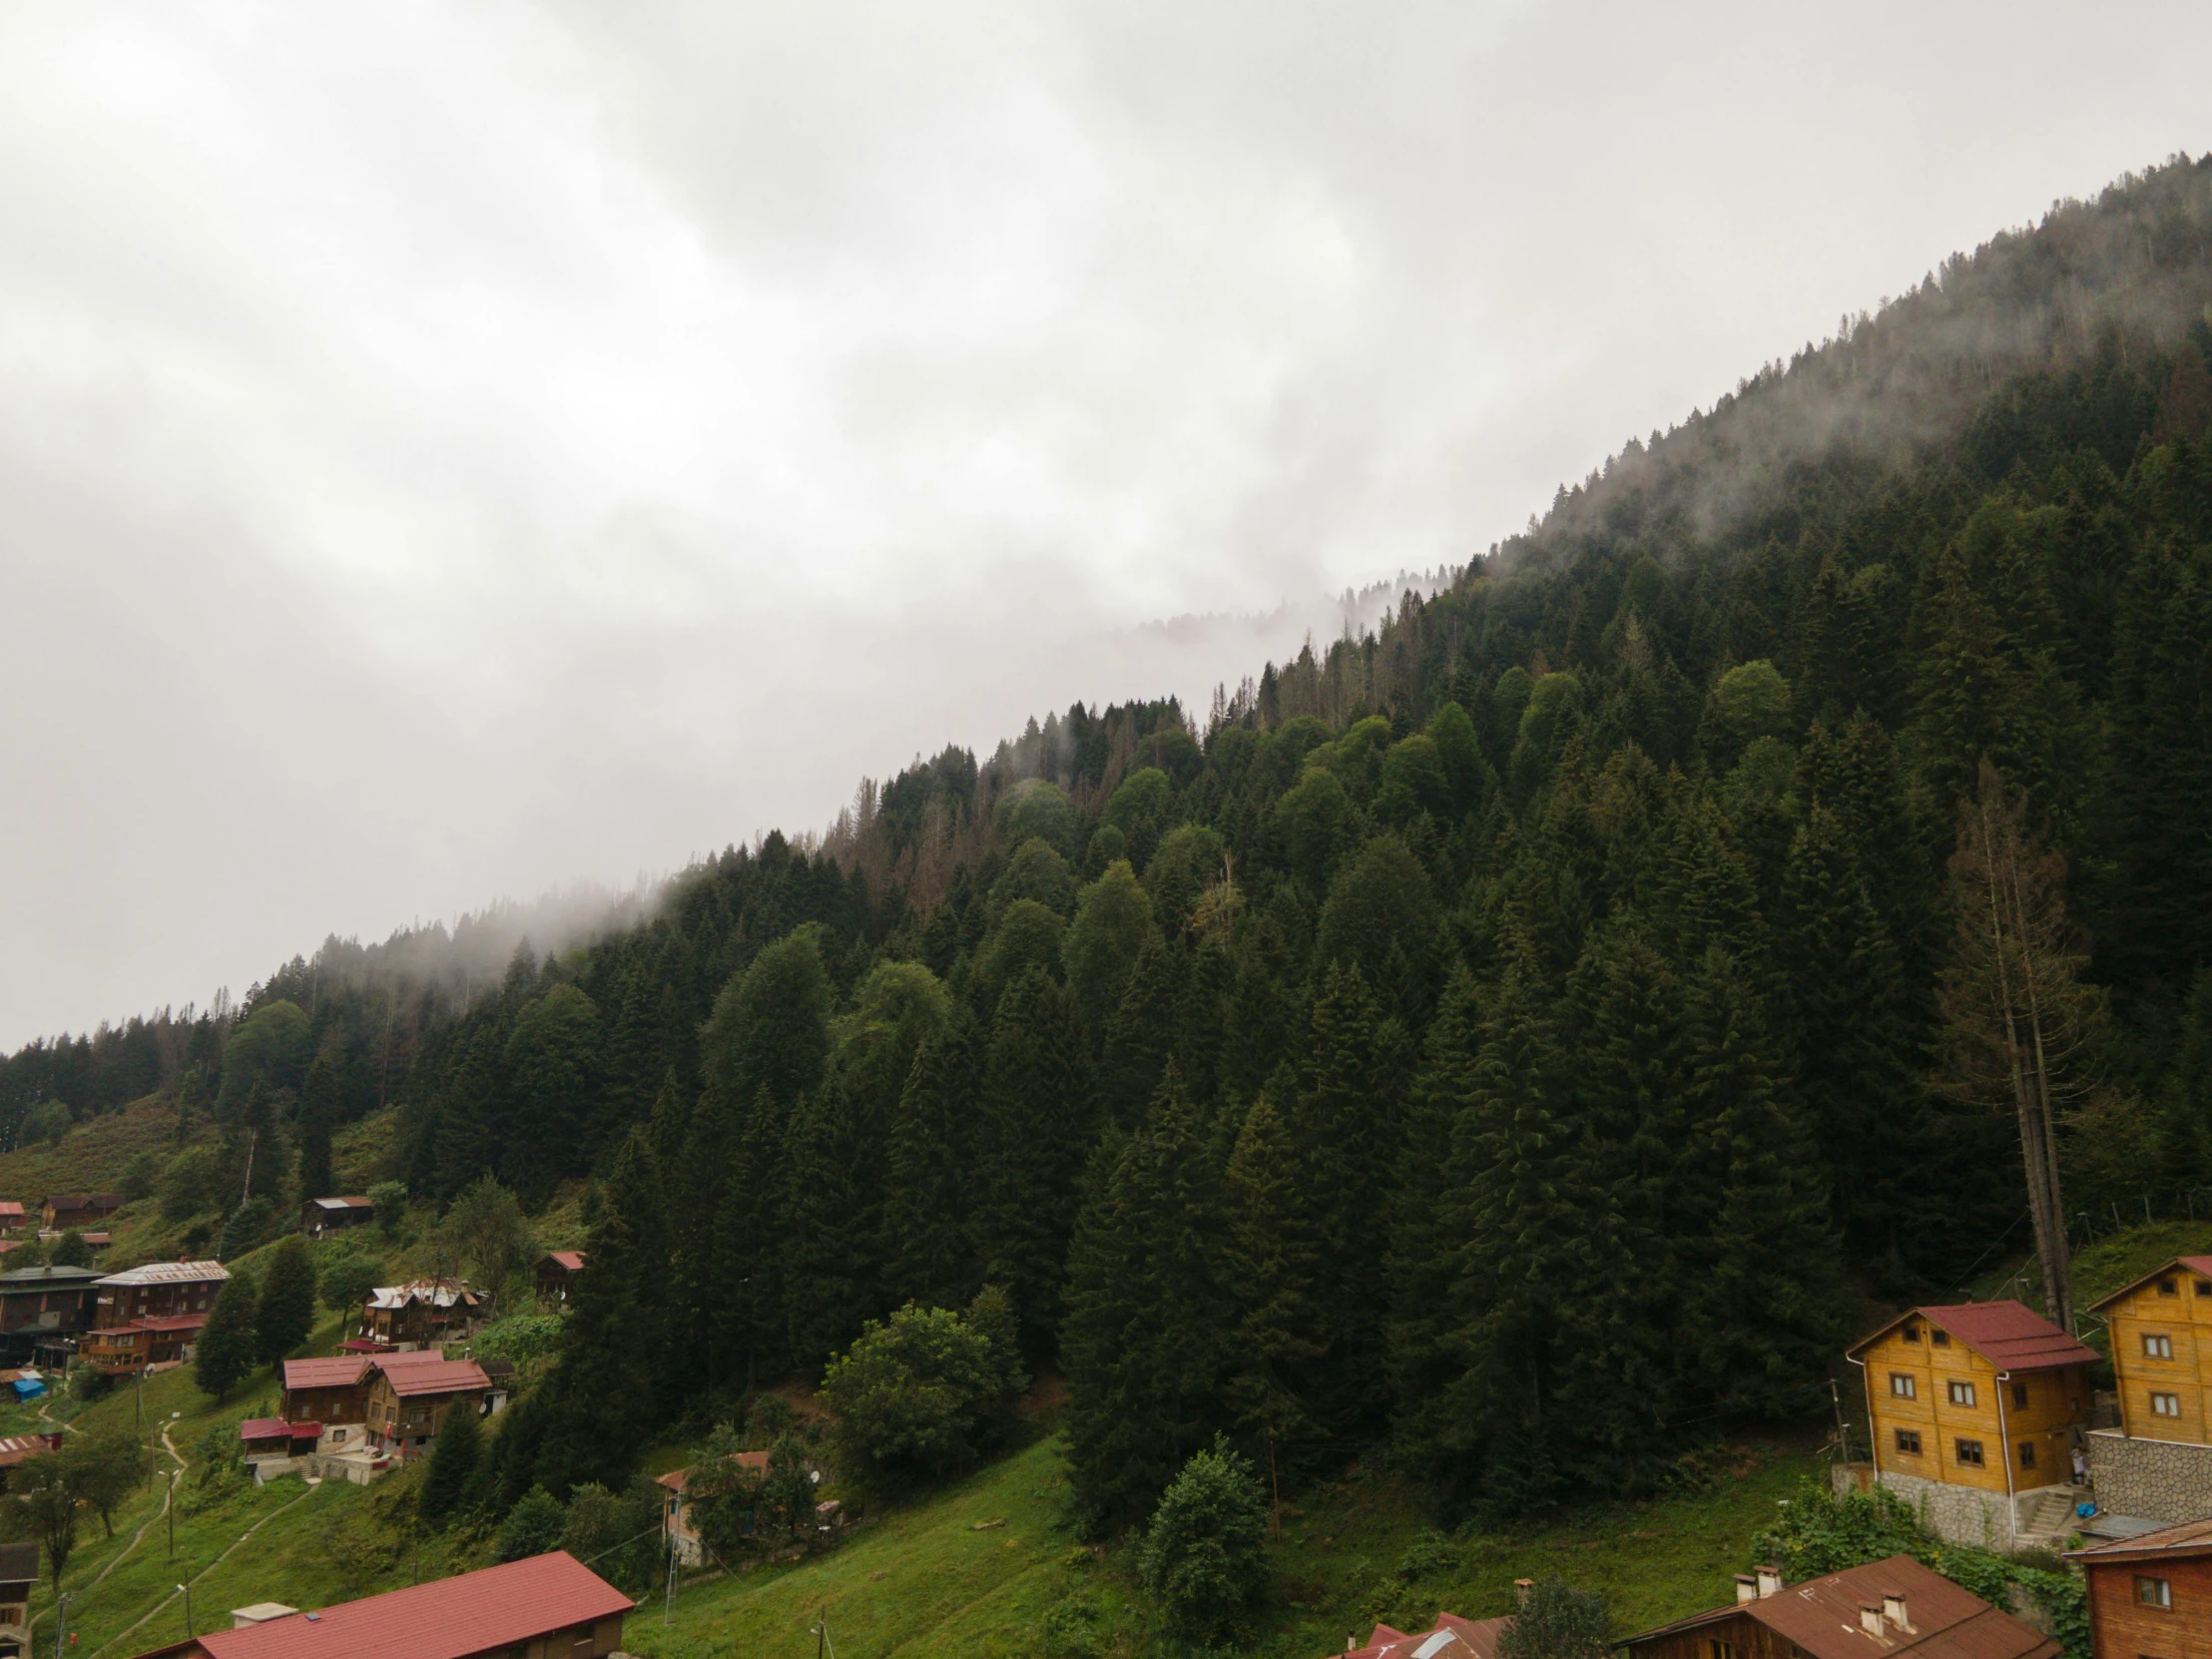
{"points": [[1503, 1041]]}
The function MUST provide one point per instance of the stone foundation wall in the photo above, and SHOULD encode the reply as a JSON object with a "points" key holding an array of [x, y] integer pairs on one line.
{"points": [[2150, 1480], [1956, 1515]]}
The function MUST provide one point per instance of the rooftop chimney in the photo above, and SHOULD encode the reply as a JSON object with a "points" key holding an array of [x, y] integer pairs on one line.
{"points": [[1747, 1587], [1870, 1619], [1522, 1587], [1892, 1609], [1770, 1581]]}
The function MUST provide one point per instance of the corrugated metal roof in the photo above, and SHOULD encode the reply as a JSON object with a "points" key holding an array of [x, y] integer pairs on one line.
{"points": [[573, 1260], [445, 1378], [352, 1200], [2190, 1538], [168, 1273], [344, 1370], [2006, 1333], [474, 1613], [439, 1293], [1451, 1637], [1942, 1621]]}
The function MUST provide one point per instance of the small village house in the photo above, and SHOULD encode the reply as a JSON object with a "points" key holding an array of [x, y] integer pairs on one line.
{"points": [[63, 1212], [422, 1313], [18, 1576], [1879, 1611], [262, 1439], [151, 1315], [12, 1217], [42, 1305], [2157, 1464], [18, 1449], [407, 1403], [556, 1270], [1976, 1411], [2150, 1596], [320, 1217], [676, 1517], [543, 1607], [333, 1393]]}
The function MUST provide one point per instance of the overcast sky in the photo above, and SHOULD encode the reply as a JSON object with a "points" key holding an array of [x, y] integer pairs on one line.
{"points": [[447, 451]]}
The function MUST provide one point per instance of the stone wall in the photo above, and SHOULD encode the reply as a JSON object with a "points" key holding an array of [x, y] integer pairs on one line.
{"points": [[2159, 1481], [1957, 1514]]}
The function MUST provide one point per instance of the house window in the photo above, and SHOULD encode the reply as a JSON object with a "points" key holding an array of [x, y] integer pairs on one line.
{"points": [[1902, 1387], [1961, 1394], [2027, 1454], [1942, 1339], [2165, 1406], [1912, 1332], [2166, 1287], [1909, 1441], [2156, 1346], [2019, 1396], [1720, 1650], [2153, 1592], [1969, 1454]]}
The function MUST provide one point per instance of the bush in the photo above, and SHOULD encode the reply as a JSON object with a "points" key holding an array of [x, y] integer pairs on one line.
{"points": [[140, 1174], [390, 1200], [617, 1534], [919, 1394], [525, 1340], [1204, 1558], [193, 1184], [347, 1280], [251, 1225], [453, 1461], [1558, 1623], [533, 1526], [70, 1251]]}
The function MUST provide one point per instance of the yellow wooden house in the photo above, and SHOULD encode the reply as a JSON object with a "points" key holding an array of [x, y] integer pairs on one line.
{"points": [[1976, 1411], [2161, 1329]]}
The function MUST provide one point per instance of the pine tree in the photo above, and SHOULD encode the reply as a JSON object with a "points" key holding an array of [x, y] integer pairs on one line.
{"points": [[1144, 1341], [1030, 1146], [455, 1458], [1426, 1239], [830, 1218], [931, 1255], [223, 1353], [317, 1112], [1273, 1256], [1144, 1031], [285, 1312]]}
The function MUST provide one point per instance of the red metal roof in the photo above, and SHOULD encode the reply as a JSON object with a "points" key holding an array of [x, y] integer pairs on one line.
{"points": [[573, 1260], [1821, 1616], [338, 1370], [2007, 1334], [9, 1208], [2170, 1543], [276, 1428], [1453, 1637], [443, 1378], [475, 1613], [675, 1478]]}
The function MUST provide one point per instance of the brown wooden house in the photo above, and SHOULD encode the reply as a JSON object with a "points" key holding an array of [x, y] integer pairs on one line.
{"points": [[321, 1216], [1878, 1611], [1986, 1397], [18, 1574], [407, 1403], [333, 1392], [2150, 1596], [12, 1218], [424, 1312], [557, 1269], [149, 1316], [44, 1303], [64, 1211]]}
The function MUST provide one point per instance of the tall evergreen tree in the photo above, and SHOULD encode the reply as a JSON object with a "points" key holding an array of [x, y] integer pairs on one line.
{"points": [[285, 1312], [931, 1253]]}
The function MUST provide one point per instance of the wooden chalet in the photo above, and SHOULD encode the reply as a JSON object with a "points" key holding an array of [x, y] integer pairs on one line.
{"points": [[44, 1305], [543, 1607], [407, 1404], [2161, 1329], [12, 1217], [151, 1315], [2150, 1595], [1878, 1611], [1983, 1395], [422, 1313], [320, 1217], [556, 1271], [18, 1576], [63, 1211], [333, 1393]]}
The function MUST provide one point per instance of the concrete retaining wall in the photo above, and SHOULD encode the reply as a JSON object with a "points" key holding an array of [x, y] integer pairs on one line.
{"points": [[2159, 1481]]}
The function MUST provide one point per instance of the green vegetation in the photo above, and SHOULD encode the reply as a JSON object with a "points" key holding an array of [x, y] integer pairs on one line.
{"points": [[1204, 1558]]}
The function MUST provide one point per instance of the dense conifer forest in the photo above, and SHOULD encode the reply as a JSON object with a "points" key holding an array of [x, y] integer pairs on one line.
{"points": [[1505, 1043]]}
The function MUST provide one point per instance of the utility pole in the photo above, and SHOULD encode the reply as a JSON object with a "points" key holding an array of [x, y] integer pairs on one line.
{"points": [[60, 1621], [252, 1135], [185, 1590], [170, 1509]]}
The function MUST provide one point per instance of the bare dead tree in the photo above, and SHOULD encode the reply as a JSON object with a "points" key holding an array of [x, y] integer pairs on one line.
{"points": [[2018, 1024]]}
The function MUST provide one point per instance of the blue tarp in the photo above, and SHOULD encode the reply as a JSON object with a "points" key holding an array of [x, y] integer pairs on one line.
{"points": [[28, 1388]]}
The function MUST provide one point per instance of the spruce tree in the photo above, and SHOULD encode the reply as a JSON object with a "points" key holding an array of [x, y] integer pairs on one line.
{"points": [[1273, 1256], [284, 1313], [1426, 1239], [1036, 1128], [317, 1112], [1143, 1031], [222, 1354], [931, 1255], [454, 1456]]}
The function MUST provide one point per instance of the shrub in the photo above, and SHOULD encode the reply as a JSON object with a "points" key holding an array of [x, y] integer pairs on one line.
{"points": [[533, 1526], [917, 1393], [1204, 1558], [1558, 1623]]}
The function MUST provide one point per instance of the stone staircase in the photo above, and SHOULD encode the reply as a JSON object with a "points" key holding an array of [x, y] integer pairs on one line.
{"points": [[2045, 1519]]}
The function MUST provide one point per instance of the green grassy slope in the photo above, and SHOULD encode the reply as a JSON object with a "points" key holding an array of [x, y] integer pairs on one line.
{"points": [[928, 1582]]}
